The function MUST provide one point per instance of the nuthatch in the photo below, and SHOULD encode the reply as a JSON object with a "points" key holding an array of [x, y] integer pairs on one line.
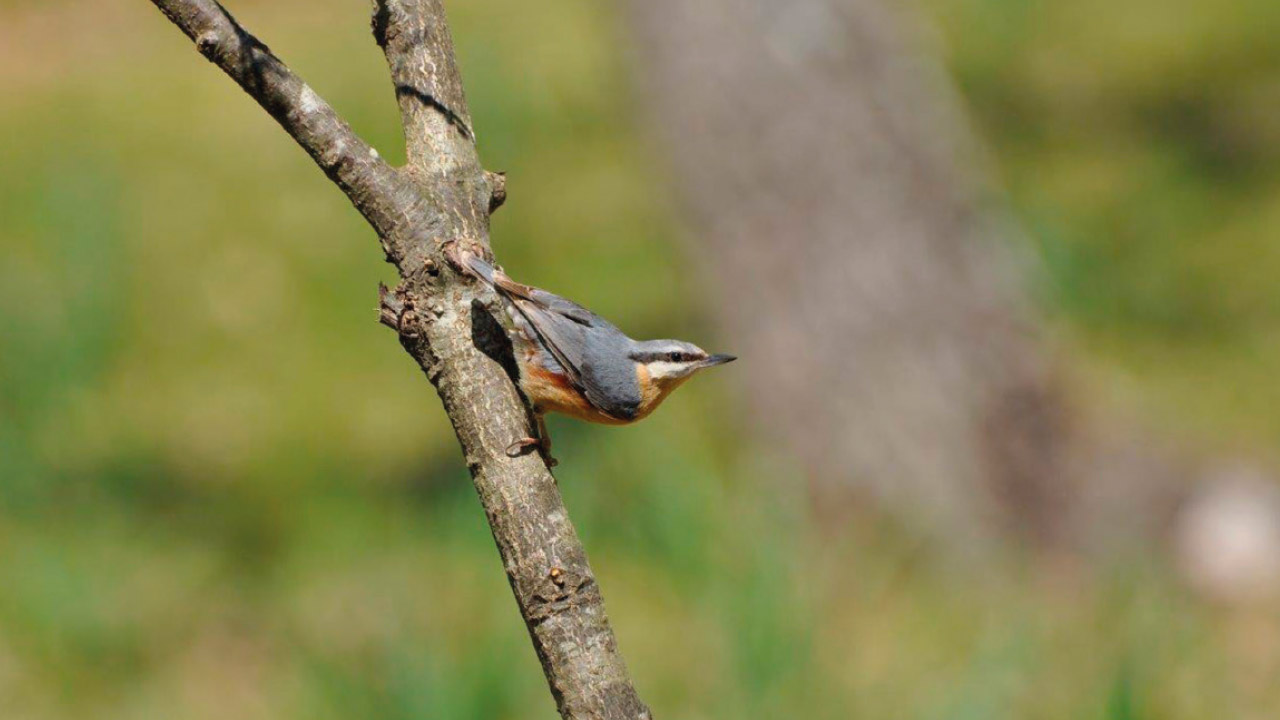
{"points": [[575, 362]]}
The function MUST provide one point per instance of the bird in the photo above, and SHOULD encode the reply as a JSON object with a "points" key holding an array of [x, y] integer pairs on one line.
{"points": [[574, 362]]}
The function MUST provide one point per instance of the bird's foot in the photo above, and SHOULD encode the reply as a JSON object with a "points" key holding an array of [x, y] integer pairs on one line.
{"points": [[521, 446]]}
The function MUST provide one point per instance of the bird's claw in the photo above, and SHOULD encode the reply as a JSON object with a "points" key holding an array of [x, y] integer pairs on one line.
{"points": [[521, 446]]}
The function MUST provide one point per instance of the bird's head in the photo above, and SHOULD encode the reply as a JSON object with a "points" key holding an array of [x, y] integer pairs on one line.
{"points": [[667, 363]]}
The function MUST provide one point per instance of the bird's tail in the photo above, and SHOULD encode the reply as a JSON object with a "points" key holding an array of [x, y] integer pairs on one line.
{"points": [[473, 265]]}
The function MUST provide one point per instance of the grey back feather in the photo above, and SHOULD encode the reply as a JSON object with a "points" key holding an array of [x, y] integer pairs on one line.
{"points": [[590, 348], [593, 353]]}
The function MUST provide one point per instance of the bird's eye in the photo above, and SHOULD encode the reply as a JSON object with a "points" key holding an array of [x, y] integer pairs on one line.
{"points": [[675, 356]]}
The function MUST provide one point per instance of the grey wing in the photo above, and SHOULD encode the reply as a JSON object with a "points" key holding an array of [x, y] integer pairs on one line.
{"points": [[592, 351], [498, 279], [566, 307]]}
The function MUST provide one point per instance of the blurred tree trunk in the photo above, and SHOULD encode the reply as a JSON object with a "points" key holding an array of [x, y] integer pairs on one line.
{"points": [[875, 289]]}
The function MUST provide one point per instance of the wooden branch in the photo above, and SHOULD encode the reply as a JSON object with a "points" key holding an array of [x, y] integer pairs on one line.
{"points": [[386, 199], [414, 35], [445, 321]]}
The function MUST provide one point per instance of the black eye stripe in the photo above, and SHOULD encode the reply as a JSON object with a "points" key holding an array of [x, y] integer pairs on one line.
{"points": [[659, 357], [665, 356]]}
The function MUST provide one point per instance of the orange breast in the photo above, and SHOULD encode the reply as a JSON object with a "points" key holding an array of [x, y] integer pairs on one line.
{"points": [[551, 392], [651, 393]]}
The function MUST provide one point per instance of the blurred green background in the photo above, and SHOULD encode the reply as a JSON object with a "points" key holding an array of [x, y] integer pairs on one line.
{"points": [[226, 492]]}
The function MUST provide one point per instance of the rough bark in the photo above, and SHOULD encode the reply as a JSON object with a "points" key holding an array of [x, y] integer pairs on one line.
{"points": [[444, 321], [862, 268]]}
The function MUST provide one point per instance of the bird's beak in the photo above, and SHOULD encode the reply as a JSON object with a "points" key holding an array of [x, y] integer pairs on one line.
{"points": [[714, 360]]}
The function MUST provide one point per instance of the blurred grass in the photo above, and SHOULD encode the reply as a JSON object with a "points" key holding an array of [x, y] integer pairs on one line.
{"points": [[225, 492]]}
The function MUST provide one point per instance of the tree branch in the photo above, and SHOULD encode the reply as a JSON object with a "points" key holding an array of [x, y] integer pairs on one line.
{"points": [[445, 321], [414, 35], [386, 199]]}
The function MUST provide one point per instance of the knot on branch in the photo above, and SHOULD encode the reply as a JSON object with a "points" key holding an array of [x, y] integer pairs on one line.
{"points": [[207, 43], [396, 310], [561, 590], [497, 189]]}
